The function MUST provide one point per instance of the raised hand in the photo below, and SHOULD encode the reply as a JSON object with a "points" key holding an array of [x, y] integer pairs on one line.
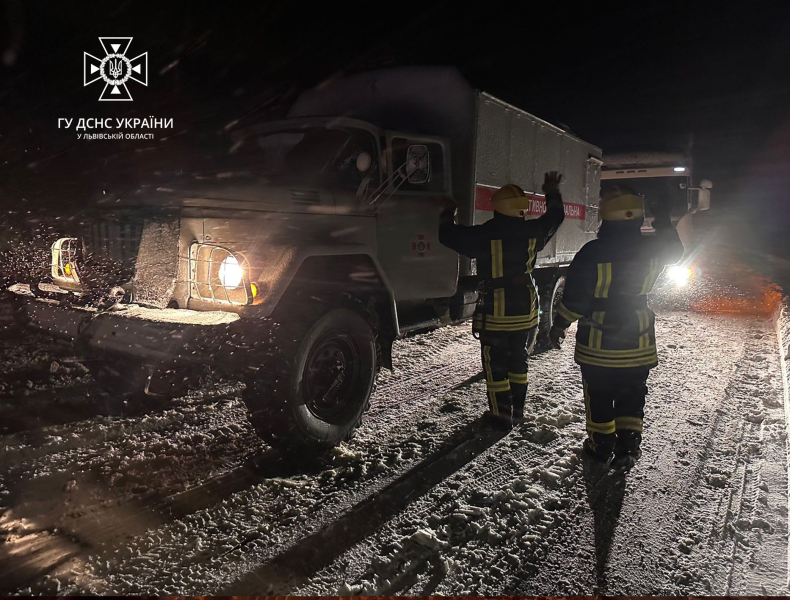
{"points": [[551, 182]]}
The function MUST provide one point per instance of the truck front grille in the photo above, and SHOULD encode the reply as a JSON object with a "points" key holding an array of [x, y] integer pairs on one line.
{"points": [[111, 250], [120, 241]]}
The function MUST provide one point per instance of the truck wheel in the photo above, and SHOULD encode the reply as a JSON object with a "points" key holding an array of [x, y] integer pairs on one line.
{"points": [[550, 299], [318, 384]]}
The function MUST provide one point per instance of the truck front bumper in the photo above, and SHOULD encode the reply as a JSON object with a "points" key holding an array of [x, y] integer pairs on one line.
{"points": [[159, 338]]}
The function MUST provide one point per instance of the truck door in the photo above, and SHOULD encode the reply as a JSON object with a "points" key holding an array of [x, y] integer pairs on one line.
{"points": [[407, 219], [592, 192]]}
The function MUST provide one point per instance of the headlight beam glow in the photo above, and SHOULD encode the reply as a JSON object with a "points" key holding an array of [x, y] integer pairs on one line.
{"points": [[679, 275]]}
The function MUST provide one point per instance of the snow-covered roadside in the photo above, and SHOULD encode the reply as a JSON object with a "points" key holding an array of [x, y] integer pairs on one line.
{"points": [[782, 321]]}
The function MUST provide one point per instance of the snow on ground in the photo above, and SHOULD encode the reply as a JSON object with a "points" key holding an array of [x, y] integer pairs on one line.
{"points": [[84, 467], [704, 511], [185, 499]]}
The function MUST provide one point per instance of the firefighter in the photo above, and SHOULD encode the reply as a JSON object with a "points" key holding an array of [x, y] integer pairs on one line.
{"points": [[606, 291], [506, 319]]}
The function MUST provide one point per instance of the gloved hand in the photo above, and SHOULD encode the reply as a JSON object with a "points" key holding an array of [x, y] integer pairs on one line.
{"points": [[448, 203], [556, 337], [449, 210], [551, 182]]}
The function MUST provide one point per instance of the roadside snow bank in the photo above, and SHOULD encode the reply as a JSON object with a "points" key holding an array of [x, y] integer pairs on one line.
{"points": [[782, 322]]}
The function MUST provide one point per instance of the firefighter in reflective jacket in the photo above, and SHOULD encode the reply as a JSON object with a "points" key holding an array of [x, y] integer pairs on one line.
{"points": [[606, 291], [507, 317]]}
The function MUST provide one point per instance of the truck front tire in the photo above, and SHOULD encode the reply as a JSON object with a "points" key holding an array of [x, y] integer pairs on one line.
{"points": [[317, 383]]}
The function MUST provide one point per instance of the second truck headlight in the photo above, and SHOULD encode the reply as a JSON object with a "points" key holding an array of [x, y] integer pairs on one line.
{"points": [[679, 275]]}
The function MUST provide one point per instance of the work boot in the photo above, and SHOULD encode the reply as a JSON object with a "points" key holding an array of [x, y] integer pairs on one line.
{"points": [[628, 444], [499, 422], [595, 452], [519, 394]]}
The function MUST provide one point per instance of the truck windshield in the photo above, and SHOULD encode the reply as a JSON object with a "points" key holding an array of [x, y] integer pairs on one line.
{"points": [[662, 189], [306, 154]]}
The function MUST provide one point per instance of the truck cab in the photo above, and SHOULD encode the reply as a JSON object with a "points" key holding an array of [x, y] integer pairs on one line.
{"points": [[663, 176]]}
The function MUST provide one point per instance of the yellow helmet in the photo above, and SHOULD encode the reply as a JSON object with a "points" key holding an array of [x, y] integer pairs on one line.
{"points": [[621, 203], [510, 200]]}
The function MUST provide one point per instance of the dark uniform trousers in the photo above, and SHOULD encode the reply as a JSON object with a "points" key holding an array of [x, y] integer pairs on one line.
{"points": [[505, 363], [613, 402], [506, 249]]}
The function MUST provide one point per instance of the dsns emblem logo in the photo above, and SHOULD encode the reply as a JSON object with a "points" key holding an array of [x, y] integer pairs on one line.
{"points": [[115, 69]]}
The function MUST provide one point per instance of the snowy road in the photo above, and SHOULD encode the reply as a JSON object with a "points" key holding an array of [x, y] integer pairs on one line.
{"points": [[185, 499]]}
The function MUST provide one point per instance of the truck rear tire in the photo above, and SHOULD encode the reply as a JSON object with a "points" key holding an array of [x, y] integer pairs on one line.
{"points": [[316, 385], [550, 298]]}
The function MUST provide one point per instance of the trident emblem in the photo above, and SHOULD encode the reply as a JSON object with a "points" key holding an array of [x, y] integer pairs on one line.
{"points": [[115, 69]]}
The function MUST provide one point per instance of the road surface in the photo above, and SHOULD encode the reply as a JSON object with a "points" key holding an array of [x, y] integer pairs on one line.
{"points": [[184, 499]]}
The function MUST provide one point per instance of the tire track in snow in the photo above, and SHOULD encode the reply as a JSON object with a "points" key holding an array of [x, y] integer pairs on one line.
{"points": [[496, 468], [746, 486], [320, 548]]}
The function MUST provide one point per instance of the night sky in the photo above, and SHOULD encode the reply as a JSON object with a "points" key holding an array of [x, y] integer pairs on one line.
{"points": [[621, 75]]}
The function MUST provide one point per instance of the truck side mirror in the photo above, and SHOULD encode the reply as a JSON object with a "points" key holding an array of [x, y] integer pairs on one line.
{"points": [[706, 184], [418, 164]]}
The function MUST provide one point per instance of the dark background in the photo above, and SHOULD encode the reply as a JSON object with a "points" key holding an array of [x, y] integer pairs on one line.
{"points": [[622, 75]]}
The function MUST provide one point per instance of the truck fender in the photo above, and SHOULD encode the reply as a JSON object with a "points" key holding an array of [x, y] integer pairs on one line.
{"points": [[304, 255]]}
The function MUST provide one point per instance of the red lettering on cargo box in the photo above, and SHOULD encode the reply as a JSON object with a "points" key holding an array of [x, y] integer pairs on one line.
{"points": [[537, 205]]}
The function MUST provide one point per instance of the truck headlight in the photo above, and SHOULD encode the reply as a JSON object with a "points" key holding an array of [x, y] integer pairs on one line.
{"points": [[65, 253], [679, 275], [231, 273], [219, 275]]}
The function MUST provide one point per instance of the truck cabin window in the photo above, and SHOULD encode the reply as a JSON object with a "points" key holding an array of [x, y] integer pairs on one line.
{"points": [[315, 156], [671, 191]]}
